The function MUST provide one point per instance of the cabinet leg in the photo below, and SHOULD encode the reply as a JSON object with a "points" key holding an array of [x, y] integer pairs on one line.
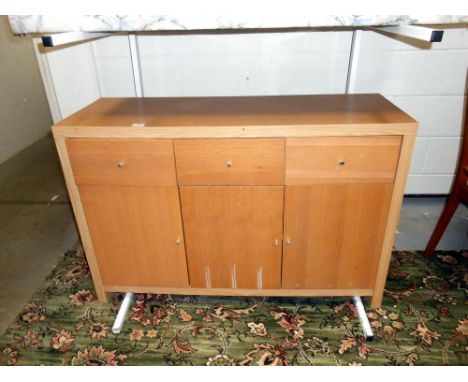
{"points": [[103, 297], [365, 325], [376, 301]]}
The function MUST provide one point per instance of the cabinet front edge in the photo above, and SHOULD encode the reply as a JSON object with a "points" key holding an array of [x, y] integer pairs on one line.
{"points": [[280, 131]]}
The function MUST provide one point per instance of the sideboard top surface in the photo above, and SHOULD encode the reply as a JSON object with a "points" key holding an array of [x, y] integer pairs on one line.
{"points": [[297, 110]]}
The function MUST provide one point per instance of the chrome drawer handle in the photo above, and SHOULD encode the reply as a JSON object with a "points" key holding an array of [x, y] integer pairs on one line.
{"points": [[341, 162], [121, 164], [229, 163]]}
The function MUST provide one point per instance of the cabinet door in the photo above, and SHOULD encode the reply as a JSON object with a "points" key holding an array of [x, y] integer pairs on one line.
{"points": [[137, 234], [333, 234], [233, 235]]}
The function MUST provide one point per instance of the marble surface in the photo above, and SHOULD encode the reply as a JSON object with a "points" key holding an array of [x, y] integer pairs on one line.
{"points": [[23, 24]]}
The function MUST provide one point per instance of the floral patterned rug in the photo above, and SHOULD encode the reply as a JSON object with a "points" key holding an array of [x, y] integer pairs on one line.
{"points": [[423, 321]]}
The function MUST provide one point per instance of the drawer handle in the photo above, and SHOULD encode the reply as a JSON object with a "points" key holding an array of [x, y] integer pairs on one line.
{"points": [[229, 163], [121, 164], [288, 241], [341, 162], [178, 241]]}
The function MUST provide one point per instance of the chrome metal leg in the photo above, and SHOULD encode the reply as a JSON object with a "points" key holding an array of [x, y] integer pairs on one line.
{"points": [[365, 325], [124, 307]]}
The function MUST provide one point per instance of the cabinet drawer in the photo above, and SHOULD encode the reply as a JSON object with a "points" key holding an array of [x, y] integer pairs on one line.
{"points": [[122, 161], [230, 161], [342, 159]]}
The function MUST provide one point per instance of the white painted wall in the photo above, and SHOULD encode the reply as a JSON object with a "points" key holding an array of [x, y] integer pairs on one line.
{"points": [[429, 84], [114, 66], [245, 64]]}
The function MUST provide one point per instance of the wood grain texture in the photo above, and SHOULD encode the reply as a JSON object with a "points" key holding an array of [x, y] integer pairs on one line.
{"points": [[366, 159], [392, 218], [143, 162], [238, 117], [254, 131], [229, 161], [361, 116], [80, 218], [231, 231], [333, 109], [134, 232], [335, 233], [239, 291]]}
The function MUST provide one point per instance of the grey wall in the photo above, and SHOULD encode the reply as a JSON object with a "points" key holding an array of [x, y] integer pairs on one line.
{"points": [[24, 111]]}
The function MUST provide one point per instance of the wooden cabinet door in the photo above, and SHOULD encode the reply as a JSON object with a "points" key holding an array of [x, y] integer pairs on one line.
{"points": [[137, 234], [333, 235], [233, 235]]}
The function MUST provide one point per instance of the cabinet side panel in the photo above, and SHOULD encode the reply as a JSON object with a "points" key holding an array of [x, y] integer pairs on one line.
{"points": [[393, 216], [80, 217]]}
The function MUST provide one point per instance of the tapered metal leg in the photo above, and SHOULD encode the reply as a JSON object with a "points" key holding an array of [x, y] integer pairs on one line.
{"points": [[119, 320], [365, 325]]}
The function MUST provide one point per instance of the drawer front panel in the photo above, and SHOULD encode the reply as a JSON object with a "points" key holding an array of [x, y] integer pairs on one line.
{"points": [[342, 159], [230, 161], [122, 162]]}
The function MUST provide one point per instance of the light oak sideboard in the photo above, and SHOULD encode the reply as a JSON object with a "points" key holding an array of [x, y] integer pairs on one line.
{"points": [[251, 196]]}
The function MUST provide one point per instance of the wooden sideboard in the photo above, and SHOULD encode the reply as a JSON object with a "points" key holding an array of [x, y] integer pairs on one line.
{"points": [[254, 196]]}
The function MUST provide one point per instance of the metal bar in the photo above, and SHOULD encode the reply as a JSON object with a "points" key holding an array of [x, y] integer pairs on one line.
{"points": [[353, 61], [46, 74], [92, 47], [365, 325], [124, 307], [417, 32], [58, 39], [136, 67]]}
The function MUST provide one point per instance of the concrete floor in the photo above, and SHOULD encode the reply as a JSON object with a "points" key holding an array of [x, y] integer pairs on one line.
{"points": [[418, 218], [35, 231]]}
